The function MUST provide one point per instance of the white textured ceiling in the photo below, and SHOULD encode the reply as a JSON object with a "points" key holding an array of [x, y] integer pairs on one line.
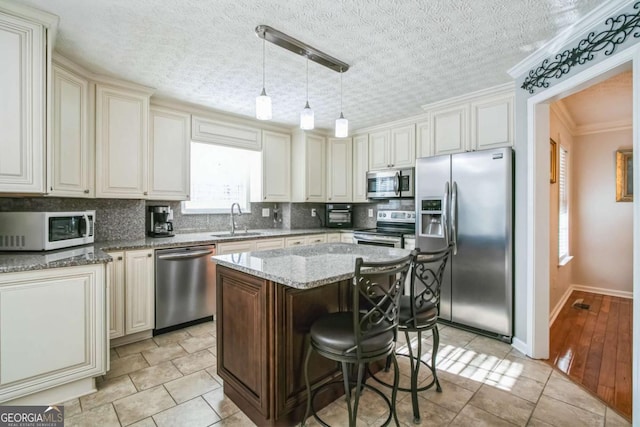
{"points": [[403, 53], [608, 102]]}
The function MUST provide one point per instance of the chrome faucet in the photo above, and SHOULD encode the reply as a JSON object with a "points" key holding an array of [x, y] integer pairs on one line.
{"points": [[233, 221]]}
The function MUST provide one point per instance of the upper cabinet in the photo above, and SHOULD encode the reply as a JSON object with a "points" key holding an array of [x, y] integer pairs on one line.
{"points": [[308, 167], [169, 154], [26, 37], [276, 167], [70, 151], [393, 148], [424, 147], [478, 121], [360, 167], [339, 170], [122, 117]]}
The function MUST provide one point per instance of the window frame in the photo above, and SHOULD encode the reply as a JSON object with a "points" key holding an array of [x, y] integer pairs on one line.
{"points": [[564, 207]]}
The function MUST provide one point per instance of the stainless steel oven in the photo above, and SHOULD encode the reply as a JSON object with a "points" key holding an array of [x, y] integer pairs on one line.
{"points": [[391, 226], [339, 215], [390, 184]]}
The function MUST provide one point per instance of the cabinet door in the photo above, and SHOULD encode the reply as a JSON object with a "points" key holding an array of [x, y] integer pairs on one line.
{"points": [[276, 167], [492, 123], [169, 154], [139, 291], [424, 148], [53, 328], [346, 237], [22, 105], [121, 143], [70, 155], [235, 247], [116, 278], [265, 244], [403, 146], [339, 170], [360, 167], [449, 130], [379, 150], [315, 161], [333, 237]]}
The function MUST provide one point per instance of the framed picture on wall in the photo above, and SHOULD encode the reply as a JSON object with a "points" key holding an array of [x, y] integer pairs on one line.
{"points": [[624, 176], [553, 151]]}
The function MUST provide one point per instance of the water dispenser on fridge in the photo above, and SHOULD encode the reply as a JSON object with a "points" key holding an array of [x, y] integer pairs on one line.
{"points": [[432, 220]]}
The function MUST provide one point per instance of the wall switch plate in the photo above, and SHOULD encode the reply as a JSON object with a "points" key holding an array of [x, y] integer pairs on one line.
{"points": [[313, 211], [265, 212], [370, 213]]}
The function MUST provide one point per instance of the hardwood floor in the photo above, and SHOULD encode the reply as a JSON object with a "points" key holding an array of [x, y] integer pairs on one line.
{"points": [[593, 347]]}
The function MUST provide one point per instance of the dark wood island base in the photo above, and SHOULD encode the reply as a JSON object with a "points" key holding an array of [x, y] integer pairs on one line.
{"points": [[261, 343]]}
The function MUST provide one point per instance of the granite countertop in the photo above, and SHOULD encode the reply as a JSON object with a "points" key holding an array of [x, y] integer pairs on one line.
{"points": [[305, 267], [95, 253], [27, 261]]}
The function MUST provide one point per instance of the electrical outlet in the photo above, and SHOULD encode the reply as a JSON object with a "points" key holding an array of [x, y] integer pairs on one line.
{"points": [[265, 212], [370, 213], [313, 211]]}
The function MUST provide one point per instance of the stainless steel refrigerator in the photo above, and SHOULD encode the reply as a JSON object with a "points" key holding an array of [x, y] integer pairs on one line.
{"points": [[467, 199]]}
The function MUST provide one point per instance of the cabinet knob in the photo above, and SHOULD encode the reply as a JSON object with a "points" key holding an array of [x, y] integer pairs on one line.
{"points": [[50, 188], [119, 258], [329, 198], [307, 198], [145, 193], [187, 196], [149, 255], [265, 198], [86, 191]]}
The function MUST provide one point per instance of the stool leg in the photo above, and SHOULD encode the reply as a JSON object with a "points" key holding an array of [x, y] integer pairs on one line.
{"points": [[359, 389], [436, 344], [307, 384], [396, 384], [347, 392], [414, 367]]}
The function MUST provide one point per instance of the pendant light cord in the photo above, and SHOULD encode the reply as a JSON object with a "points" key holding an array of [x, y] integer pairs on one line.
{"points": [[307, 79], [340, 91], [264, 42]]}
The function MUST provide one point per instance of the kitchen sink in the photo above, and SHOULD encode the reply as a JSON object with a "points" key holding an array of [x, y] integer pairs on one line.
{"points": [[236, 234]]}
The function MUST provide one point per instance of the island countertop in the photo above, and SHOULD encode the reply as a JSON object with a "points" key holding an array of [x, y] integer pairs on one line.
{"points": [[305, 267]]}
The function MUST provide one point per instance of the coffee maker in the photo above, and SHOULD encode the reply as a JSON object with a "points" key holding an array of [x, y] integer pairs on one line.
{"points": [[159, 221]]}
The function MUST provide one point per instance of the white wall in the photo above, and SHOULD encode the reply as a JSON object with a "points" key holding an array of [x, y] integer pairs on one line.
{"points": [[559, 276], [602, 229]]}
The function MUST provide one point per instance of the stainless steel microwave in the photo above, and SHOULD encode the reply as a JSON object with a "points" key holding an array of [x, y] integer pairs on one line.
{"points": [[391, 184], [43, 231]]}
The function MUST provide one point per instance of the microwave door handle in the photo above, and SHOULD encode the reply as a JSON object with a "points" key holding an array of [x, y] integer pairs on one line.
{"points": [[85, 219], [396, 184]]}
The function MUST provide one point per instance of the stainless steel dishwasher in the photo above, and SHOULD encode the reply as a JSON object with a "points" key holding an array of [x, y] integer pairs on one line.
{"points": [[185, 287]]}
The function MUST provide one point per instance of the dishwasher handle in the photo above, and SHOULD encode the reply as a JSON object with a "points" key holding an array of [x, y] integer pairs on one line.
{"points": [[186, 255]]}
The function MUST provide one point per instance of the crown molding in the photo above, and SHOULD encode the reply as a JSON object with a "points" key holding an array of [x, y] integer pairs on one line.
{"points": [[407, 121], [502, 89], [564, 115], [47, 19], [569, 36], [593, 128], [111, 81], [66, 63]]}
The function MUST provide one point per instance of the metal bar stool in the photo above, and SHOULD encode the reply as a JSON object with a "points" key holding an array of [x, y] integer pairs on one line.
{"points": [[419, 313], [366, 333]]}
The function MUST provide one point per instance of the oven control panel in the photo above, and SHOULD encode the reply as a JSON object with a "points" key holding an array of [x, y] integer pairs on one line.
{"points": [[396, 216]]}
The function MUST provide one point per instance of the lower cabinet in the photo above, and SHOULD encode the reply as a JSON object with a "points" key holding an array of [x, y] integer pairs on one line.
{"points": [[346, 237], [131, 292], [333, 238], [53, 327]]}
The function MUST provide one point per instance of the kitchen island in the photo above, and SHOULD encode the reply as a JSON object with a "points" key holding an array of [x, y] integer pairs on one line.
{"points": [[266, 302]]}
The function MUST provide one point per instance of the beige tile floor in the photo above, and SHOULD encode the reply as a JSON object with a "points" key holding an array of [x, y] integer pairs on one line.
{"points": [[171, 380]]}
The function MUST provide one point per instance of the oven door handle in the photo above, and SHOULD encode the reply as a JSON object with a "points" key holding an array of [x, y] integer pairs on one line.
{"points": [[339, 211], [368, 240]]}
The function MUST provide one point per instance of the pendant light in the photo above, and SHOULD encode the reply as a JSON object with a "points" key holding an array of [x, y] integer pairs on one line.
{"points": [[342, 124], [263, 101], [306, 116]]}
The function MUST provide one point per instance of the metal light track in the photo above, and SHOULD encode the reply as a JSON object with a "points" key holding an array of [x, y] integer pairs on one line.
{"points": [[296, 46]]}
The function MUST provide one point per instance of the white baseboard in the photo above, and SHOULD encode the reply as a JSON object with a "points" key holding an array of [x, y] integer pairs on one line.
{"points": [[521, 346], [556, 310], [594, 290], [603, 291]]}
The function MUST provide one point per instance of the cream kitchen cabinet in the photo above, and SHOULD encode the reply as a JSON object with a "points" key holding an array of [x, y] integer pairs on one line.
{"points": [[393, 148], [169, 154], [26, 40], [339, 170], [450, 130], [333, 238], [295, 241], [53, 329], [346, 237], [360, 167], [308, 167], [70, 155], [265, 244], [122, 117], [235, 247], [424, 148], [315, 239], [276, 167], [492, 122], [132, 292]]}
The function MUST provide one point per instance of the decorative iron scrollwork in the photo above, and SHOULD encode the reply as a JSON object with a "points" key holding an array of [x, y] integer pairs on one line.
{"points": [[620, 28]]}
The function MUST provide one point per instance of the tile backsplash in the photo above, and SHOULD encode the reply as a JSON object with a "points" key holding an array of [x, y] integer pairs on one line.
{"points": [[118, 219]]}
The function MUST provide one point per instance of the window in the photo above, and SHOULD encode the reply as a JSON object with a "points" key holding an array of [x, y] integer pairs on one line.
{"points": [[563, 208], [220, 176]]}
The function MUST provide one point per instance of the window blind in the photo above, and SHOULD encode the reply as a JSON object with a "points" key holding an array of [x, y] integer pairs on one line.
{"points": [[563, 205]]}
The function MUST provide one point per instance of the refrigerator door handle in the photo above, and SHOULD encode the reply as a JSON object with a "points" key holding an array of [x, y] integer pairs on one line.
{"points": [[445, 213], [454, 217]]}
